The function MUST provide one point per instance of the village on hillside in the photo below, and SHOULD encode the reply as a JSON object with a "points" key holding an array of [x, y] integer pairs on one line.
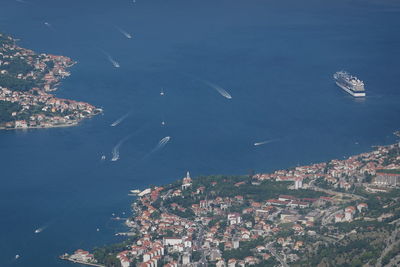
{"points": [[341, 212], [26, 80]]}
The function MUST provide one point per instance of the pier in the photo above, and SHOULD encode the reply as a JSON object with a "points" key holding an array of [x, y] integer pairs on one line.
{"points": [[119, 219], [126, 234], [80, 262]]}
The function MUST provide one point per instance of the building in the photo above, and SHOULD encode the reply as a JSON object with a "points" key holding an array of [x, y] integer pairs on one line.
{"points": [[339, 217], [232, 262], [387, 179], [171, 264], [144, 192], [171, 241], [362, 206], [82, 255], [234, 218], [186, 258], [298, 183], [349, 213], [187, 181], [235, 242]]}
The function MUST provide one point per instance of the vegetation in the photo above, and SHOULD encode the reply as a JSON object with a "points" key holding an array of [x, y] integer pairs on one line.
{"points": [[17, 66], [271, 262], [354, 251], [107, 255], [243, 251], [225, 187], [392, 156], [392, 253], [15, 84], [393, 171], [196, 255], [6, 109]]}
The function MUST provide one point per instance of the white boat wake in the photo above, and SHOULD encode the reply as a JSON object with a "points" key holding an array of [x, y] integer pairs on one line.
{"points": [[126, 34], [265, 142], [115, 151], [163, 142], [115, 63], [109, 57], [40, 229], [115, 154], [219, 89], [48, 25], [115, 123]]}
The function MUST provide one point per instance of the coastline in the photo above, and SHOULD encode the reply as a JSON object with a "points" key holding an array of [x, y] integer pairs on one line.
{"points": [[63, 125], [26, 94], [306, 199], [42, 127], [64, 257]]}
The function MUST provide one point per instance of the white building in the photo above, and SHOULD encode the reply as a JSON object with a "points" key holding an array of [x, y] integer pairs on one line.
{"points": [[349, 213], [82, 255], [234, 218], [298, 183], [186, 258], [171, 241], [187, 181], [144, 192]]}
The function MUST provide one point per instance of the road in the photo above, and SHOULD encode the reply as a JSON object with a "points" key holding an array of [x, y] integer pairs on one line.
{"points": [[329, 215], [199, 242], [392, 241], [335, 193], [276, 255]]}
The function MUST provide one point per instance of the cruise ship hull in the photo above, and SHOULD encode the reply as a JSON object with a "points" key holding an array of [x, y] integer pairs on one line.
{"points": [[355, 94]]}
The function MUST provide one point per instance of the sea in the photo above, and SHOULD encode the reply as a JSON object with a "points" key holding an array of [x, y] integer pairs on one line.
{"points": [[275, 58]]}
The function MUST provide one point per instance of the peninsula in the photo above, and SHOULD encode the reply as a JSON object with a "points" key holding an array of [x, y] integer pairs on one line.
{"points": [[335, 213], [26, 82]]}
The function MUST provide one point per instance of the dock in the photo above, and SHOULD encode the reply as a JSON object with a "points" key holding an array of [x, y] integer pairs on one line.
{"points": [[126, 234], [81, 262]]}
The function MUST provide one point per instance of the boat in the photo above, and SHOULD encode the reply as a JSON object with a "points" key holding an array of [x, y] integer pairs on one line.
{"points": [[349, 83], [103, 157], [136, 191]]}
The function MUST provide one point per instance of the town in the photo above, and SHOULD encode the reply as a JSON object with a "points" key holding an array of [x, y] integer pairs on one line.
{"points": [[341, 212], [26, 80]]}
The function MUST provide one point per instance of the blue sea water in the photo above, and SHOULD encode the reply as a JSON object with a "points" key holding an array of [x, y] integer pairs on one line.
{"points": [[276, 59]]}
